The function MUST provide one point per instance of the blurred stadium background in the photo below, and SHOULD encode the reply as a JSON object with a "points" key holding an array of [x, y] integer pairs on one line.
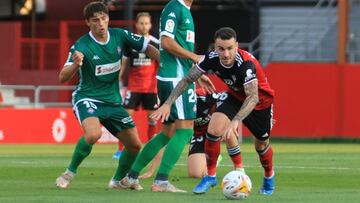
{"points": [[309, 49]]}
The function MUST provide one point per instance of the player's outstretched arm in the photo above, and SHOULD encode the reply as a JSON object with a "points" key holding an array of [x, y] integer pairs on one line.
{"points": [[68, 71], [170, 45], [252, 98], [163, 112], [152, 52]]}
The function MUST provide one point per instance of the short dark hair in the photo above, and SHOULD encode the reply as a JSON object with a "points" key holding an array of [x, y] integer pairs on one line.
{"points": [[225, 33], [94, 7], [143, 14]]}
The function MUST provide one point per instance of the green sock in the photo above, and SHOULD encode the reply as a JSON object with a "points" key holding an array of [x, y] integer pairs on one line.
{"points": [[82, 150], [173, 152], [149, 151], [125, 162]]}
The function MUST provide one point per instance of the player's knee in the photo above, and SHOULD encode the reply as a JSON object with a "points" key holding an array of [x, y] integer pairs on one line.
{"points": [[215, 131], [92, 136], [135, 148], [261, 145]]}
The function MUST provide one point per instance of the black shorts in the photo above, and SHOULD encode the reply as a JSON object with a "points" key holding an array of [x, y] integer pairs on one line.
{"points": [[133, 100], [197, 145], [259, 122]]}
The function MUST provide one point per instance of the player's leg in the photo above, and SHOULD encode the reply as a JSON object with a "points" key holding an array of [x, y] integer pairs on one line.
{"points": [[196, 158], [259, 122], [183, 112], [92, 132], [150, 104], [171, 155], [265, 153], [153, 166], [120, 124], [216, 129], [234, 152], [131, 103], [149, 151]]}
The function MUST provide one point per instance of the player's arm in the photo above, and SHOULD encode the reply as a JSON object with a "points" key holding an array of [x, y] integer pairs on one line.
{"points": [[68, 71], [125, 64], [152, 52], [163, 112], [252, 98], [194, 74], [170, 45]]}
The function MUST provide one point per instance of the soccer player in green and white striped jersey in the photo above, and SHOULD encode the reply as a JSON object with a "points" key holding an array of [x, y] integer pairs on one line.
{"points": [[96, 56], [176, 58]]}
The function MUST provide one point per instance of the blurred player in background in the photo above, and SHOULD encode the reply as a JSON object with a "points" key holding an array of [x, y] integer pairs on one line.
{"points": [[249, 100], [176, 58], [96, 56], [140, 71]]}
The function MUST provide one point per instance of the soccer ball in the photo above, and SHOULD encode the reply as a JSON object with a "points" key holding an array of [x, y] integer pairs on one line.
{"points": [[236, 185]]}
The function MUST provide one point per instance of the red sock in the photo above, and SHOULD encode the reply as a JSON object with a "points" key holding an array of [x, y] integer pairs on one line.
{"points": [[212, 151], [235, 155], [152, 129], [121, 146], [266, 160]]}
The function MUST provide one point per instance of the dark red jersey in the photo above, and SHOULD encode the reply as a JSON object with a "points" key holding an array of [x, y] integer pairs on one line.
{"points": [[244, 70], [142, 72]]}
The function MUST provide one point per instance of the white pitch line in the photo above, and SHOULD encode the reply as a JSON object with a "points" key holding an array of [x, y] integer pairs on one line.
{"points": [[290, 167]]}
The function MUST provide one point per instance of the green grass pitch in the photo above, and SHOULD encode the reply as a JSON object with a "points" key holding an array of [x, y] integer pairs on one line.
{"points": [[304, 173]]}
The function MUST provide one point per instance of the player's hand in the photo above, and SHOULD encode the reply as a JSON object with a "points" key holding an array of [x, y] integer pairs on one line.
{"points": [[206, 85], [232, 129], [78, 58], [198, 58], [162, 113]]}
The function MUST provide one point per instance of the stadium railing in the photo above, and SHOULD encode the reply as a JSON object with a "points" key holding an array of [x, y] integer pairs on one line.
{"points": [[36, 95]]}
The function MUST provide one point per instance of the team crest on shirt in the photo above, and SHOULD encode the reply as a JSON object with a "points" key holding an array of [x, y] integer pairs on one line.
{"points": [[170, 25], [91, 110], [118, 50]]}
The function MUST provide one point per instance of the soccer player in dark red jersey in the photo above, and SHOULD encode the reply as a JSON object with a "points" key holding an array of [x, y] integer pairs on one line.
{"points": [[249, 100], [141, 71]]}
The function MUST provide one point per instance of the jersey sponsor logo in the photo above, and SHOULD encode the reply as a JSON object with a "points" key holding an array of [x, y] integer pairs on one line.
{"points": [[107, 68], [172, 14], [170, 25], [141, 60], [190, 36], [249, 75]]}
